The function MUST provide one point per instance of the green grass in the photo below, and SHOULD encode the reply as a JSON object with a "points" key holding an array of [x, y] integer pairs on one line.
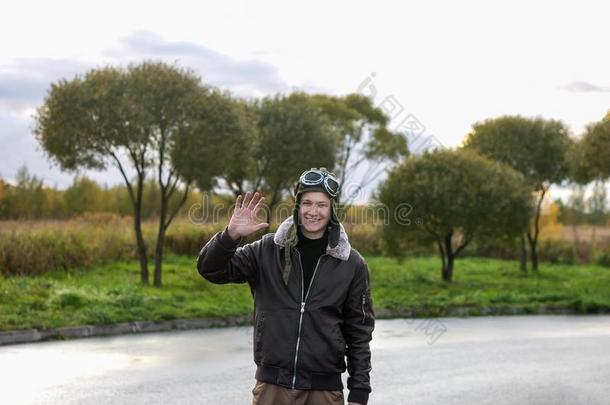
{"points": [[482, 284], [111, 293]]}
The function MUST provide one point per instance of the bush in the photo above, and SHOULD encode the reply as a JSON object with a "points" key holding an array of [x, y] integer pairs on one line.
{"points": [[496, 248], [70, 299], [188, 239], [38, 247], [365, 238], [31, 248], [557, 251], [603, 259]]}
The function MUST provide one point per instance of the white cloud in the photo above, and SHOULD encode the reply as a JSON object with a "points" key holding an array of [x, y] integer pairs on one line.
{"points": [[585, 87], [25, 81], [244, 77]]}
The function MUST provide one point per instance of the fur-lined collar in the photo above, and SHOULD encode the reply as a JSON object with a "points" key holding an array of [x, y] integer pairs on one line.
{"points": [[341, 251]]}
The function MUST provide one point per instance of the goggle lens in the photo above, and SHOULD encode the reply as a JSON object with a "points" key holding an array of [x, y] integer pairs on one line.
{"points": [[313, 176], [332, 186]]}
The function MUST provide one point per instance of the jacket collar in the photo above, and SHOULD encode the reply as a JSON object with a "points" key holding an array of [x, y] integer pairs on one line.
{"points": [[341, 251]]}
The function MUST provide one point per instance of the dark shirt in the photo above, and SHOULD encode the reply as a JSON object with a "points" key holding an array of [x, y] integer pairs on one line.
{"points": [[310, 251]]}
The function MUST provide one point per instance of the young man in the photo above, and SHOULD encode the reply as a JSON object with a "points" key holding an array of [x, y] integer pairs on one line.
{"points": [[307, 321]]}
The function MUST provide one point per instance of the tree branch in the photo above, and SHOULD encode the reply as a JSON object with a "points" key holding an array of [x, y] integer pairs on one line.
{"points": [[122, 170], [180, 204]]}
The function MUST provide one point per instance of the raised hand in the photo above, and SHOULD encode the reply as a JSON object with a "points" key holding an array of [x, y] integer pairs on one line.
{"points": [[243, 220]]}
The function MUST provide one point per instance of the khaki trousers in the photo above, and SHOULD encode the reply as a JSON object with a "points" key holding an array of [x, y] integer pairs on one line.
{"points": [[265, 393]]}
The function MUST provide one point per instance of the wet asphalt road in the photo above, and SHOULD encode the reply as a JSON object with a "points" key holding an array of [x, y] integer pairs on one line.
{"points": [[531, 360]]}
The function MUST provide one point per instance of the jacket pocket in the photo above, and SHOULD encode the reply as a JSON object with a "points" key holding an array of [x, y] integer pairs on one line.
{"points": [[277, 335], [339, 345]]}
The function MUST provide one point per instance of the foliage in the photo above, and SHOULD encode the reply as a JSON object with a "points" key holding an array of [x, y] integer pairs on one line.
{"points": [[449, 198], [538, 148], [140, 119]]}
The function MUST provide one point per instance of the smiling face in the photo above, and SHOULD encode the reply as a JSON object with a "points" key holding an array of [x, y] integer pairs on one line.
{"points": [[314, 213]]}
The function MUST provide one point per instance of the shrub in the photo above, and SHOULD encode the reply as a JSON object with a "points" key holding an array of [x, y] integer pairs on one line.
{"points": [[70, 299], [36, 248], [557, 251], [365, 238], [603, 259], [188, 239]]}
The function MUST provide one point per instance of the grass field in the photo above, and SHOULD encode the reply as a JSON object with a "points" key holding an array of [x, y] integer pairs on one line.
{"points": [[111, 293]]}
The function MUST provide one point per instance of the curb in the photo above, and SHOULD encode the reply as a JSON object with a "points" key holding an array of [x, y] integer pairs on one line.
{"points": [[77, 332]]}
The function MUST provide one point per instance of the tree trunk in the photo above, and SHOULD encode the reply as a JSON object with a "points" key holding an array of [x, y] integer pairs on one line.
{"points": [[136, 202], [160, 242], [533, 253], [523, 255], [533, 239], [448, 265], [441, 251], [141, 245], [448, 270], [137, 218], [165, 219]]}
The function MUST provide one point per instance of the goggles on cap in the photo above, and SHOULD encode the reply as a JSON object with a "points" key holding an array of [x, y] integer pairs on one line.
{"points": [[314, 177]]}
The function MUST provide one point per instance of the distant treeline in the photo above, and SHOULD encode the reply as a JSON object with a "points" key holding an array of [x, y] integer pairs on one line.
{"points": [[30, 199]]}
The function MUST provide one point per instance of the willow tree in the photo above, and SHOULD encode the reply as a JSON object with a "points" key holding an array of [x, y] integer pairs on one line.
{"points": [[448, 198]]}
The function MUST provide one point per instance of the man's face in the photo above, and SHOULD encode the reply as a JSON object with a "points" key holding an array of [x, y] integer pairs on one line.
{"points": [[314, 211]]}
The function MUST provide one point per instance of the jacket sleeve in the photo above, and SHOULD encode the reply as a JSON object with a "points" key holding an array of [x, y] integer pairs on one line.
{"points": [[359, 318], [221, 261]]}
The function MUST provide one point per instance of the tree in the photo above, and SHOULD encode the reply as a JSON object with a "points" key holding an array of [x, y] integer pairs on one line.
{"points": [[340, 123], [351, 118], [596, 148], [450, 197], [593, 164], [130, 119], [83, 195], [240, 172], [536, 147], [223, 144], [27, 198], [293, 137], [3, 193], [90, 122], [171, 110]]}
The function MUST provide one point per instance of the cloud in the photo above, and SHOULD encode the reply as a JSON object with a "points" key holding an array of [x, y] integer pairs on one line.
{"points": [[585, 87], [23, 84], [18, 147], [250, 78], [25, 81]]}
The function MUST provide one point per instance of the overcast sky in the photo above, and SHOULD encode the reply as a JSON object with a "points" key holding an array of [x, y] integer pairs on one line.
{"points": [[441, 65]]}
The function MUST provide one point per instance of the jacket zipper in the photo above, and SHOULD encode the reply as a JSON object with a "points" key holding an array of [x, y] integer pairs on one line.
{"points": [[296, 351]]}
